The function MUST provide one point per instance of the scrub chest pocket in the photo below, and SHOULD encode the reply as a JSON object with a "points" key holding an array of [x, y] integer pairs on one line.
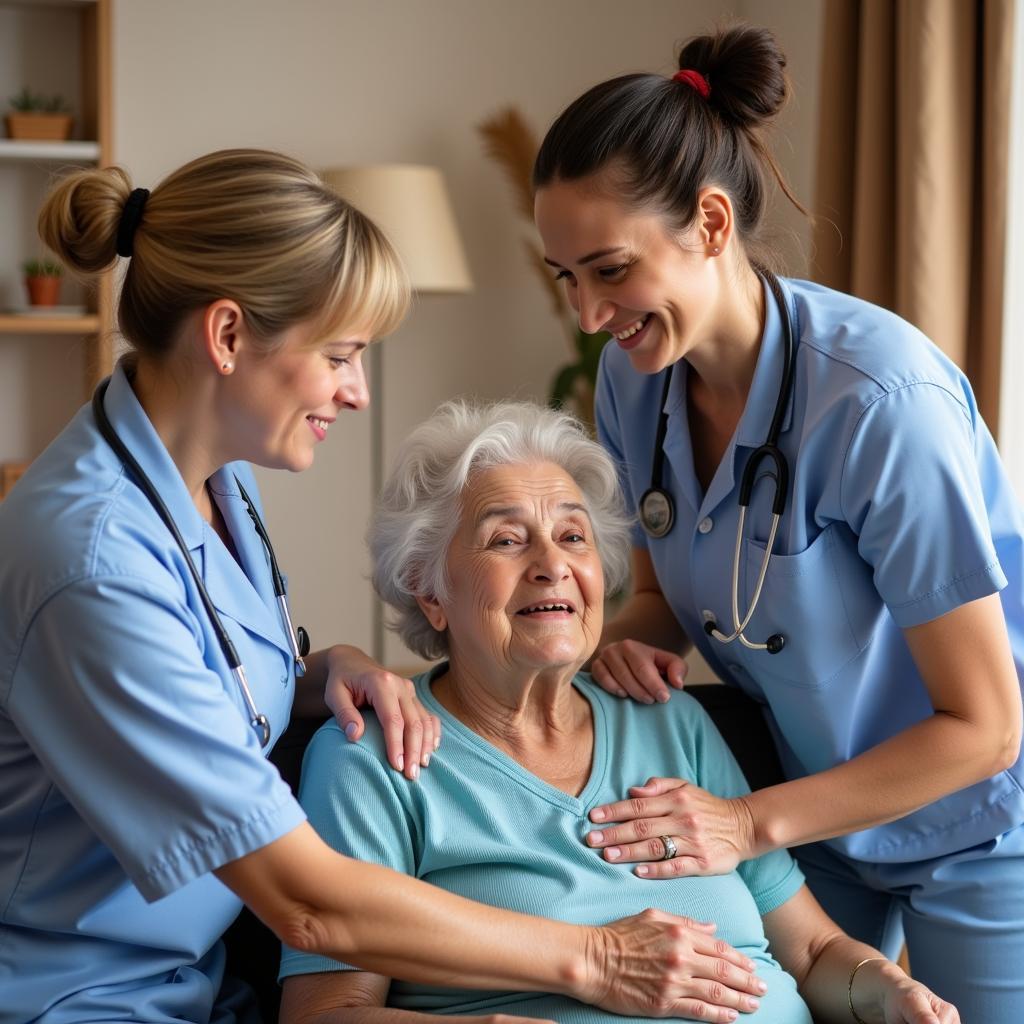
{"points": [[822, 600]]}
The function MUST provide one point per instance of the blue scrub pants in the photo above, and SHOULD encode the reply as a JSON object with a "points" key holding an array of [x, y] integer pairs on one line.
{"points": [[962, 916]]}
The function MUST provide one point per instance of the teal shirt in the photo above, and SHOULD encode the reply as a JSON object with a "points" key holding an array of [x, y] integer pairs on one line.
{"points": [[480, 825]]}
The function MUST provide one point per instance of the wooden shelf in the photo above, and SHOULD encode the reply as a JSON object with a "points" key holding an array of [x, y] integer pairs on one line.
{"points": [[12, 324], [60, 152], [46, 3], [72, 38]]}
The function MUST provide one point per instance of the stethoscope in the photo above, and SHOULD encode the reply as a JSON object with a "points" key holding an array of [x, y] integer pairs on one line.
{"points": [[657, 509], [298, 639]]}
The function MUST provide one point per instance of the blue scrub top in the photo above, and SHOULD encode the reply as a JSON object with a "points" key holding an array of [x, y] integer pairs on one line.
{"points": [[899, 511], [128, 768]]}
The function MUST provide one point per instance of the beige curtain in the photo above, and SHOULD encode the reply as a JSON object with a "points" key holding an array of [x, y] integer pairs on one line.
{"points": [[912, 168]]}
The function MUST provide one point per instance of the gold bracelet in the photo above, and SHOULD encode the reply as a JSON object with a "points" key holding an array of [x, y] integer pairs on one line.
{"points": [[849, 987]]}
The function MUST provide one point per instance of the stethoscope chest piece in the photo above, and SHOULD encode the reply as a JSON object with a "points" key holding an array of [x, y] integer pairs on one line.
{"points": [[657, 512], [262, 726], [773, 645]]}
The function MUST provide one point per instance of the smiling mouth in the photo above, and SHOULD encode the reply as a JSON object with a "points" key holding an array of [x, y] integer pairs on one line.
{"points": [[632, 329], [317, 422], [547, 607]]}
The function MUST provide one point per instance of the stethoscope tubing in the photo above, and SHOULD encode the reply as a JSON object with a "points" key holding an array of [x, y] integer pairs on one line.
{"points": [[258, 721], [297, 638], [657, 507]]}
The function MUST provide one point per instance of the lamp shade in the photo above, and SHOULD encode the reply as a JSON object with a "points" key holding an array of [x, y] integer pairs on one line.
{"points": [[410, 204]]}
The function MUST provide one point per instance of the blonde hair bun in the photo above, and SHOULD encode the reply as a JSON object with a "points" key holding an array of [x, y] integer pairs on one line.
{"points": [[80, 218], [250, 225]]}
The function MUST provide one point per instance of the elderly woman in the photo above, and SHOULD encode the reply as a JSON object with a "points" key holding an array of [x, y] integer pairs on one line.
{"points": [[493, 542]]}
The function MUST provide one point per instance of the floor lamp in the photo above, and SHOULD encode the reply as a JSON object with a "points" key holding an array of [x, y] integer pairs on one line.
{"points": [[410, 202]]}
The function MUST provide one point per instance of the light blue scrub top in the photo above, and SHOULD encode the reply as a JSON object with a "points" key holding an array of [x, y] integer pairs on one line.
{"points": [[899, 511], [128, 768]]}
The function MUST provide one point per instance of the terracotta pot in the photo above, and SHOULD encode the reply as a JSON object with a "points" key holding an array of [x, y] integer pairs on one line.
{"points": [[10, 474], [43, 291], [42, 127]]}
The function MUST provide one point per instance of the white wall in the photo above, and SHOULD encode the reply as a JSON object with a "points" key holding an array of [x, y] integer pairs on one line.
{"points": [[798, 25], [358, 81]]}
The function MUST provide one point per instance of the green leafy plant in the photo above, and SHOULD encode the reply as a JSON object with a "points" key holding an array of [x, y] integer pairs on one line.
{"points": [[509, 140], [29, 102], [42, 268]]}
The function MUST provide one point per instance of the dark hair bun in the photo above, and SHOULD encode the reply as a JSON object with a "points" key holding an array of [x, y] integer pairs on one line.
{"points": [[745, 69]]}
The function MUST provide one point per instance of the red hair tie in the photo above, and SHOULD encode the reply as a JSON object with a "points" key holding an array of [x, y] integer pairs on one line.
{"points": [[695, 80]]}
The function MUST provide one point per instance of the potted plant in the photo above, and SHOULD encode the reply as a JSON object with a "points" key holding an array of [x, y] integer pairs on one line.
{"points": [[37, 116], [42, 280]]}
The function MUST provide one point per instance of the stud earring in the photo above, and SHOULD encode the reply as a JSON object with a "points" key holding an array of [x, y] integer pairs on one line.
{"points": [[227, 367], [715, 251]]}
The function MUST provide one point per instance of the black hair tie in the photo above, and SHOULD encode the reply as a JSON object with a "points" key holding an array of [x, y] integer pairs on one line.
{"points": [[131, 216]]}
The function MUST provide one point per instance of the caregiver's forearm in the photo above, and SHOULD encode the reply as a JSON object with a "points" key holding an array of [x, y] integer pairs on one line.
{"points": [[968, 671], [380, 1015], [316, 900], [350, 997], [922, 764]]}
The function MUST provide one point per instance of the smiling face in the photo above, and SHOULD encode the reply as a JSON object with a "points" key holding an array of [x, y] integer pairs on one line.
{"points": [[288, 399], [628, 273], [527, 587]]}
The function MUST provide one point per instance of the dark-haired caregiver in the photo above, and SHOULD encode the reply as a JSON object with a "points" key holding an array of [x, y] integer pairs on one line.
{"points": [[827, 521]]}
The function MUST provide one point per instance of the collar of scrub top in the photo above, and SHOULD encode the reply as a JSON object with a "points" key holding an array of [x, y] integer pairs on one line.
{"points": [[244, 593], [230, 586], [134, 428], [764, 386], [757, 413], [767, 380], [248, 601]]}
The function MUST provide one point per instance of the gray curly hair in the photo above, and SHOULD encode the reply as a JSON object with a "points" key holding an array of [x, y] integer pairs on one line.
{"points": [[417, 513]]}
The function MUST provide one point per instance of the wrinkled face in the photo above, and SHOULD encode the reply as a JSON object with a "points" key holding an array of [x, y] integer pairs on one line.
{"points": [[627, 272], [287, 400], [527, 587]]}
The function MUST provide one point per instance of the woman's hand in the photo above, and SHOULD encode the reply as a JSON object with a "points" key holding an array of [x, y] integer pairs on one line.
{"points": [[411, 733], [655, 964], [881, 991], [630, 668], [912, 1003], [711, 835]]}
